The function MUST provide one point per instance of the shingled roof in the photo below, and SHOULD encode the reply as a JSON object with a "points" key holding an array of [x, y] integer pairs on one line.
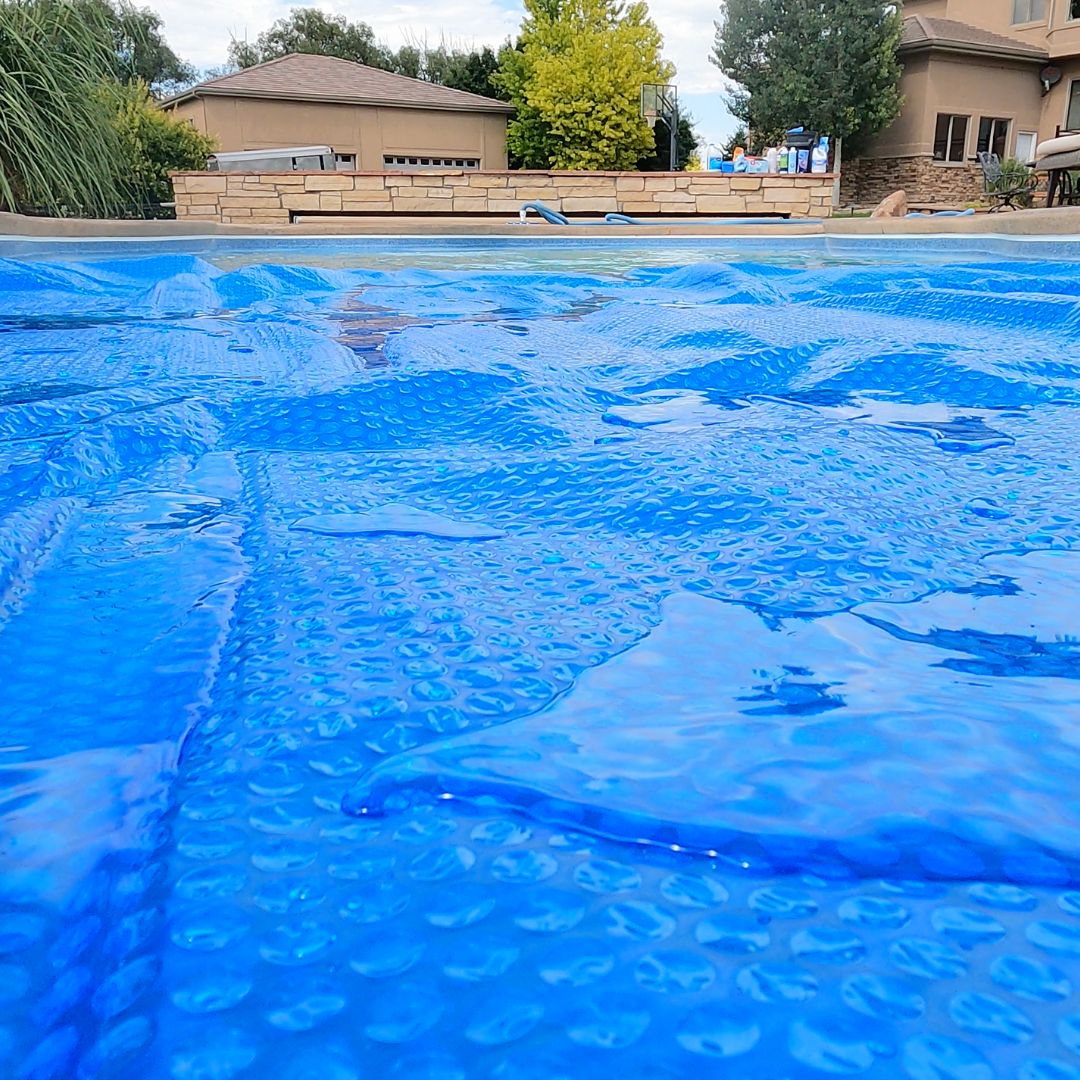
{"points": [[923, 32], [309, 77]]}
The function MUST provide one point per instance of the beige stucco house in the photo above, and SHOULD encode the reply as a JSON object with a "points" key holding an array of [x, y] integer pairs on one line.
{"points": [[998, 75], [373, 120]]}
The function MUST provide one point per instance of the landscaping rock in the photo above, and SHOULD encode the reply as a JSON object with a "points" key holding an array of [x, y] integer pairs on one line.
{"points": [[894, 206]]}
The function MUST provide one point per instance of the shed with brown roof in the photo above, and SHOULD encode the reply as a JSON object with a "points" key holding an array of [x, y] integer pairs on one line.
{"points": [[373, 120]]}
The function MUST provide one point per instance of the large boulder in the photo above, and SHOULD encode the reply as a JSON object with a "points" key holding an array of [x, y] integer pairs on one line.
{"points": [[895, 206]]}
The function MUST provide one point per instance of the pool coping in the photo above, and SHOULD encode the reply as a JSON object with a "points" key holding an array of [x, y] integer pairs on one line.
{"points": [[1048, 224]]}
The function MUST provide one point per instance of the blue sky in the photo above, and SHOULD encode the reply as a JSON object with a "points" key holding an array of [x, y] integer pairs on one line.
{"points": [[200, 31]]}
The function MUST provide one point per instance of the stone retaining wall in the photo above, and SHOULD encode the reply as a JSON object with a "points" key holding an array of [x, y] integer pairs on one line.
{"points": [[869, 180], [276, 198]]}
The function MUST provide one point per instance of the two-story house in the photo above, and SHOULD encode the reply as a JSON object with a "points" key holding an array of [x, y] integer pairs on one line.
{"points": [[998, 75]]}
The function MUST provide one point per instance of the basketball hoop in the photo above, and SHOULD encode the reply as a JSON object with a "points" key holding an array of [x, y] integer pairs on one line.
{"points": [[650, 102], [660, 101]]}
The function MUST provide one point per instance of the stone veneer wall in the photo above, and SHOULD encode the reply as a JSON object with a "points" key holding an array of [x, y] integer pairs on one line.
{"points": [[866, 181], [272, 198]]}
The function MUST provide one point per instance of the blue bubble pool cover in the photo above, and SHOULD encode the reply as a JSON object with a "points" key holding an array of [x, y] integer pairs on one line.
{"points": [[538, 673]]}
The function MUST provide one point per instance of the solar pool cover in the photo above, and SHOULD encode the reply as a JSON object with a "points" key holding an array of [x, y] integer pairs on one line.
{"points": [[508, 661]]}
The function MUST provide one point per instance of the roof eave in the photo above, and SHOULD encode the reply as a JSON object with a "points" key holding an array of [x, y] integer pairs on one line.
{"points": [[969, 48], [329, 99], [178, 99]]}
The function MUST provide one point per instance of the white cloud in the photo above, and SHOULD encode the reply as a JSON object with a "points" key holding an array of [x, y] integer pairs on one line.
{"points": [[200, 31], [687, 26]]}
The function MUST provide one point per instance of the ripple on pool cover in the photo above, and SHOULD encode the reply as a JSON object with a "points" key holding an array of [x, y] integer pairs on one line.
{"points": [[729, 731], [398, 519]]}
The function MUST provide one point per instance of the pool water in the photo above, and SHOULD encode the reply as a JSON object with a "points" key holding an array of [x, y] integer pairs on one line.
{"points": [[581, 660]]}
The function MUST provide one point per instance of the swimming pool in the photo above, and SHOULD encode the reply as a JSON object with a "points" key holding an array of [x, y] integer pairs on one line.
{"points": [[489, 659]]}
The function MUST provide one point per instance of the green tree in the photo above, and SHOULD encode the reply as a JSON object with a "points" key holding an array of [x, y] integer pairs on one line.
{"points": [[79, 133], [59, 151], [575, 77], [309, 30], [828, 64], [142, 53], [153, 144], [473, 71], [741, 137], [447, 65]]}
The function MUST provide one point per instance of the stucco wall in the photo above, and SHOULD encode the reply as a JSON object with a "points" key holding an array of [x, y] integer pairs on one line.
{"points": [[1059, 38], [984, 86], [962, 86], [273, 198], [368, 131]]}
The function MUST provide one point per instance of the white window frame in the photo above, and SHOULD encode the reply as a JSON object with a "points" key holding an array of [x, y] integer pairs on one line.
{"points": [[1030, 7], [1033, 138], [1074, 88]]}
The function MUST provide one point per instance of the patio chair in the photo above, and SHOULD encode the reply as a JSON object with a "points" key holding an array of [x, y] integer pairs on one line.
{"points": [[1004, 188]]}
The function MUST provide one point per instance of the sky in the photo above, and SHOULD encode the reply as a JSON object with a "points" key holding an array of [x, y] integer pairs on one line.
{"points": [[200, 31]]}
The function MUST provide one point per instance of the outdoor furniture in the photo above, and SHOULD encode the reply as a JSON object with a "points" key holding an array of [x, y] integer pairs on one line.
{"points": [[1058, 158], [1003, 189]]}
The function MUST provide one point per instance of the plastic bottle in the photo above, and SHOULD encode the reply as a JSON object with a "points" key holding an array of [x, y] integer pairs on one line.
{"points": [[820, 163], [792, 160], [773, 158], [804, 161], [781, 159]]}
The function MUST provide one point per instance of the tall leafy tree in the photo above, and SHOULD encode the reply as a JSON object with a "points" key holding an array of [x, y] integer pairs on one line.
{"points": [[447, 65], [309, 30], [575, 77], [828, 64], [58, 149], [142, 53], [472, 71], [79, 133]]}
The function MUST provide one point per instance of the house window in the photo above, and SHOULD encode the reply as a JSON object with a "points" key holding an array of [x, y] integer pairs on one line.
{"points": [[1072, 121], [950, 137], [993, 136], [1074, 9], [407, 163], [344, 162], [1025, 145], [1025, 11]]}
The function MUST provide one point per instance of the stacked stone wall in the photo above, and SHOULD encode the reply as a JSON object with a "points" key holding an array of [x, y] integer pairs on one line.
{"points": [[278, 198]]}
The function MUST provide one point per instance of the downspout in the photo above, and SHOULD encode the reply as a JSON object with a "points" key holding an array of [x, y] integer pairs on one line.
{"points": [[838, 158]]}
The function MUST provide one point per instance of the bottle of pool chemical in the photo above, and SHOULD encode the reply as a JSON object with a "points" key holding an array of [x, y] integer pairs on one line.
{"points": [[781, 159], [820, 157], [792, 160], [773, 159], [804, 161]]}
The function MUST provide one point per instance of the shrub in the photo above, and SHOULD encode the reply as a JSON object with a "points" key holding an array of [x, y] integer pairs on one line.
{"points": [[153, 145], [1015, 174]]}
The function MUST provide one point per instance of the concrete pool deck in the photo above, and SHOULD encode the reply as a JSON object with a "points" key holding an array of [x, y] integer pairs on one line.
{"points": [[1057, 222]]}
